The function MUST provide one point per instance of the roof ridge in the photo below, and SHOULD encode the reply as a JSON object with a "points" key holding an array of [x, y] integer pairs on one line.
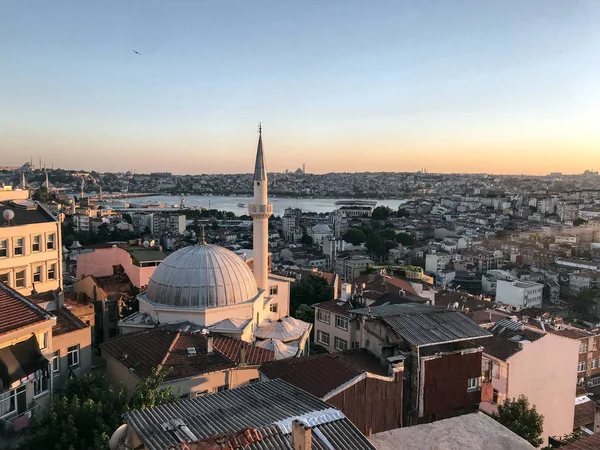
{"points": [[31, 304], [168, 352]]}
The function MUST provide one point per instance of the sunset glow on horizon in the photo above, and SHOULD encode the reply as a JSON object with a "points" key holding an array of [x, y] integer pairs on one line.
{"points": [[353, 86]]}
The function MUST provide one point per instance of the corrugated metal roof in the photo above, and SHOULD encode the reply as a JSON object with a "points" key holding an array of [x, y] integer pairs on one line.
{"points": [[508, 324], [435, 327], [253, 406]]}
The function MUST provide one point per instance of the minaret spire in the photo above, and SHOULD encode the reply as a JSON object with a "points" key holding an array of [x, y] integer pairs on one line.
{"points": [[260, 210]]}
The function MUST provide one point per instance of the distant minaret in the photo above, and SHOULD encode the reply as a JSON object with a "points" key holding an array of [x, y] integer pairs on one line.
{"points": [[100, 197], [82, 181], [303, 167], [23, 183], [47, 182], [260, 211]]}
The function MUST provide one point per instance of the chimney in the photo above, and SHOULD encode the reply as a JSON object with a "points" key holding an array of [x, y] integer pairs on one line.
{"points": [[242, 355], [368, 431], [209, 344], [301, 436]]}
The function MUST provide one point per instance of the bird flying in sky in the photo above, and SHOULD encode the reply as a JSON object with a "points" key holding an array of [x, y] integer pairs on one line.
{"points": [[137, 53]]}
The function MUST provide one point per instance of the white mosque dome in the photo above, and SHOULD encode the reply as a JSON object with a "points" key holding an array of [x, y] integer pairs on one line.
{"points": [[281, 350], [201, 276], [321, 228]]}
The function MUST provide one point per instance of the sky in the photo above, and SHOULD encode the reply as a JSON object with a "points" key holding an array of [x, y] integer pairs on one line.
{"points": [[340, 85]]}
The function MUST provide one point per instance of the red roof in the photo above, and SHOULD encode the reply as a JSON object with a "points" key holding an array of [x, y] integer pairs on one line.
{"points": [[376, 285], [17, 312], [337, 307], [585, 414], [502, 347], [591, 442], [66, 322], [320, 374], [141, 352]]}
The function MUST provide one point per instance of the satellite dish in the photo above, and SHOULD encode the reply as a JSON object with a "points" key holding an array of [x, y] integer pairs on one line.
{"points": [[152, 243], [146, 244], [456, 305], [8, 215]]}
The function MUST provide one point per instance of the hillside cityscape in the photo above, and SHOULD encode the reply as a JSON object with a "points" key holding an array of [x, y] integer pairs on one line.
{"points": [[424, 275]]}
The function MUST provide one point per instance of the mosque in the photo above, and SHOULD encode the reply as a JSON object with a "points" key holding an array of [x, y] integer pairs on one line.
{"points": [[211, 289]]}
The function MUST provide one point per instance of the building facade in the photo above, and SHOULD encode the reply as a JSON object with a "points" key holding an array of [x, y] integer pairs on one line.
{"points": [[520, 294]]}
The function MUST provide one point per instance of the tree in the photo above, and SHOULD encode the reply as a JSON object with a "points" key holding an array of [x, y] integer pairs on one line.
{"points": [[41, 194], [127, 218], [521, 419], [579, 221], [305, 313], [355, 236], [308, 291], [403, 212], [306, 239], [405, 239], [88, 410], [585, 302], [381, 213]]}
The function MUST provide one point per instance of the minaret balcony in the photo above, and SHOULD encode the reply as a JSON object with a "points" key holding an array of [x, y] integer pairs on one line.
{"points": [[260, 210]]}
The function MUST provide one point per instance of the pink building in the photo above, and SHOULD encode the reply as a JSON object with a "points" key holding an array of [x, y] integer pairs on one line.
{"points": [[539, 365], [139, 263]]}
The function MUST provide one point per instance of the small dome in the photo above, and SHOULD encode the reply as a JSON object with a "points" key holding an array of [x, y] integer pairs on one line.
{"points": [[201, 276], [281, 330], [281, 350], [321, 228]]}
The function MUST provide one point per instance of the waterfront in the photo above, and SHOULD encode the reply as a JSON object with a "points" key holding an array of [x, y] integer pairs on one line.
{"points": [[222, 203]]}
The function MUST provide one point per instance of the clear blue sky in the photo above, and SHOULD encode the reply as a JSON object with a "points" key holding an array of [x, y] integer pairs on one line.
{"points": [[494, 86]]}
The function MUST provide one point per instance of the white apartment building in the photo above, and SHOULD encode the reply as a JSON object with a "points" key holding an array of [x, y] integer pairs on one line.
{"points": [[352, 267], [81, 223], [30, 245], [435, 262], [520, 294]]}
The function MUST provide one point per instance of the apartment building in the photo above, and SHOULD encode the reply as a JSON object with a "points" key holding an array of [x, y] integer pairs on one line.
{"points": [[30, 245], [335, 329], [39, 349], [585, 279], [520, 294], [539, 365], [163, 223], [351, 267]]}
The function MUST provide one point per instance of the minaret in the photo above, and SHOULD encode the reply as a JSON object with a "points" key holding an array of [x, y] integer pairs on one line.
{"points": [[260, 211], [47, 182]]}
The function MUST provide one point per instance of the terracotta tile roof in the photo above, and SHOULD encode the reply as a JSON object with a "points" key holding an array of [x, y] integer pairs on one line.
{"points": [[66, 322], [502, 347], [17, 312], [337, 307], [169, 349], [585, 413], [570, 333], [486, 316], [320, 374], [591, 442], [378, 284]]}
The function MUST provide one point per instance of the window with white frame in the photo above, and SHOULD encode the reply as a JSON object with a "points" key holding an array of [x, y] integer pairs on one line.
{"points": [[42, 339], [583, 347], [340, 344], [18, 249], [581, 366], [35, 243], [20, 279], [56, 362], [273, 307], [593, 363], [472, 383], [323, 338], [323, 316], [341, 322], [595, 381], [52, 271], [8, 402], [50, 241], [3, 248], [273, 290], [41, 383], [37, 274], [73, 356]]}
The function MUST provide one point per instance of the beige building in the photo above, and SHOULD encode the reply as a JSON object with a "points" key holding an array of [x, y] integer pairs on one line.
{"points": [[39, 349], [541, 366], [195, 363], [30, 244]]}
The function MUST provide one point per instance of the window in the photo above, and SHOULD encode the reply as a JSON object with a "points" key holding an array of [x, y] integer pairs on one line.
{"points": [[42, 340], [473, 383], [273, 290], [20, 279], [594, 381], [35, 243], [52, 272], [8, 402], [355, 344], [582, 366], [323, 338], [18, 250], [4, 278], [222, 388], [594, 345], [273, 307], [50, 242], [73, 356], [253, 381], [592, 364], [340, 344], [37, 274], [56, 362], [112, 311], [495, 396], [3, 248], [341, 322], [40, 383], [583, 347], [357, 324], [323, 316]]}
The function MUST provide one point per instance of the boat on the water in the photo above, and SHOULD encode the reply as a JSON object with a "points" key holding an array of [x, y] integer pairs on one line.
{"points": [[241, 205]]}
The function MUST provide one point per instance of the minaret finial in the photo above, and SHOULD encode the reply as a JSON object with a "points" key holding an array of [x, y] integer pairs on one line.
{"points": [[202, 239], [259, 128]]}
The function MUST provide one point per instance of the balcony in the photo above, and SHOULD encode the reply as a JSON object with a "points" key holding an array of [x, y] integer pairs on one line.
{"points": [[260, 210]]}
